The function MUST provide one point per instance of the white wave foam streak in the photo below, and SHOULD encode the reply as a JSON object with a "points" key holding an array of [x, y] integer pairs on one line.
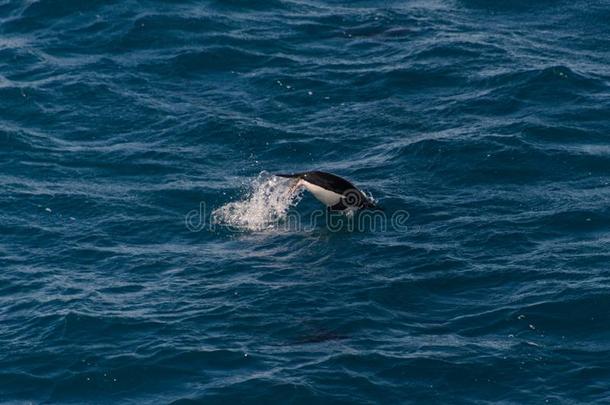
{"points": [[265, 205]]}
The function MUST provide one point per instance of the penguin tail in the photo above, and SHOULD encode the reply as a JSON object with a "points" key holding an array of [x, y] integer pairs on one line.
{"points": [[288, 176]]}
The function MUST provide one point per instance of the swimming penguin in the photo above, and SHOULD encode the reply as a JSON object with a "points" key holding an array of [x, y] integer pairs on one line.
{"points": [[333, 191]]}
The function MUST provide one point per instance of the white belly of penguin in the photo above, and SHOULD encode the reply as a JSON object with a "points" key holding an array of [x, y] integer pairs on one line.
{"points": [[325, 196]]}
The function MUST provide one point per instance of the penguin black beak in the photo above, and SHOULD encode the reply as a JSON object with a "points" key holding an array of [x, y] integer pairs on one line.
{"points": [[373, 207]]}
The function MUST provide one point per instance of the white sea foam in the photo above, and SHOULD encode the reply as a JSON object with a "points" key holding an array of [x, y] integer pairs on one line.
{"points": [[264, 206]]}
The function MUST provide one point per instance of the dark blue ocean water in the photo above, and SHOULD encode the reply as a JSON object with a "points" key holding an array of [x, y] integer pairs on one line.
{"points": [[487, 121]]}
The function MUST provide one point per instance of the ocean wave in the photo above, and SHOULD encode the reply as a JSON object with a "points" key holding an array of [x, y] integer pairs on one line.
{"points": [[486, 123]]}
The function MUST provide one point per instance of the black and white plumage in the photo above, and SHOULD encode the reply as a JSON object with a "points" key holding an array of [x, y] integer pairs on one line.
{"points": [[333, 191]]}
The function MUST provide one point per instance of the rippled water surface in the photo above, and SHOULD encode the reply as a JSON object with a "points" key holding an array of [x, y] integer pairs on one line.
{"points": [[486, 121]]}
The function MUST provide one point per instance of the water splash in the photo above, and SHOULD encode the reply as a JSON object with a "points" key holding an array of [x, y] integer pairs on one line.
{"points": [[265, 205]]}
